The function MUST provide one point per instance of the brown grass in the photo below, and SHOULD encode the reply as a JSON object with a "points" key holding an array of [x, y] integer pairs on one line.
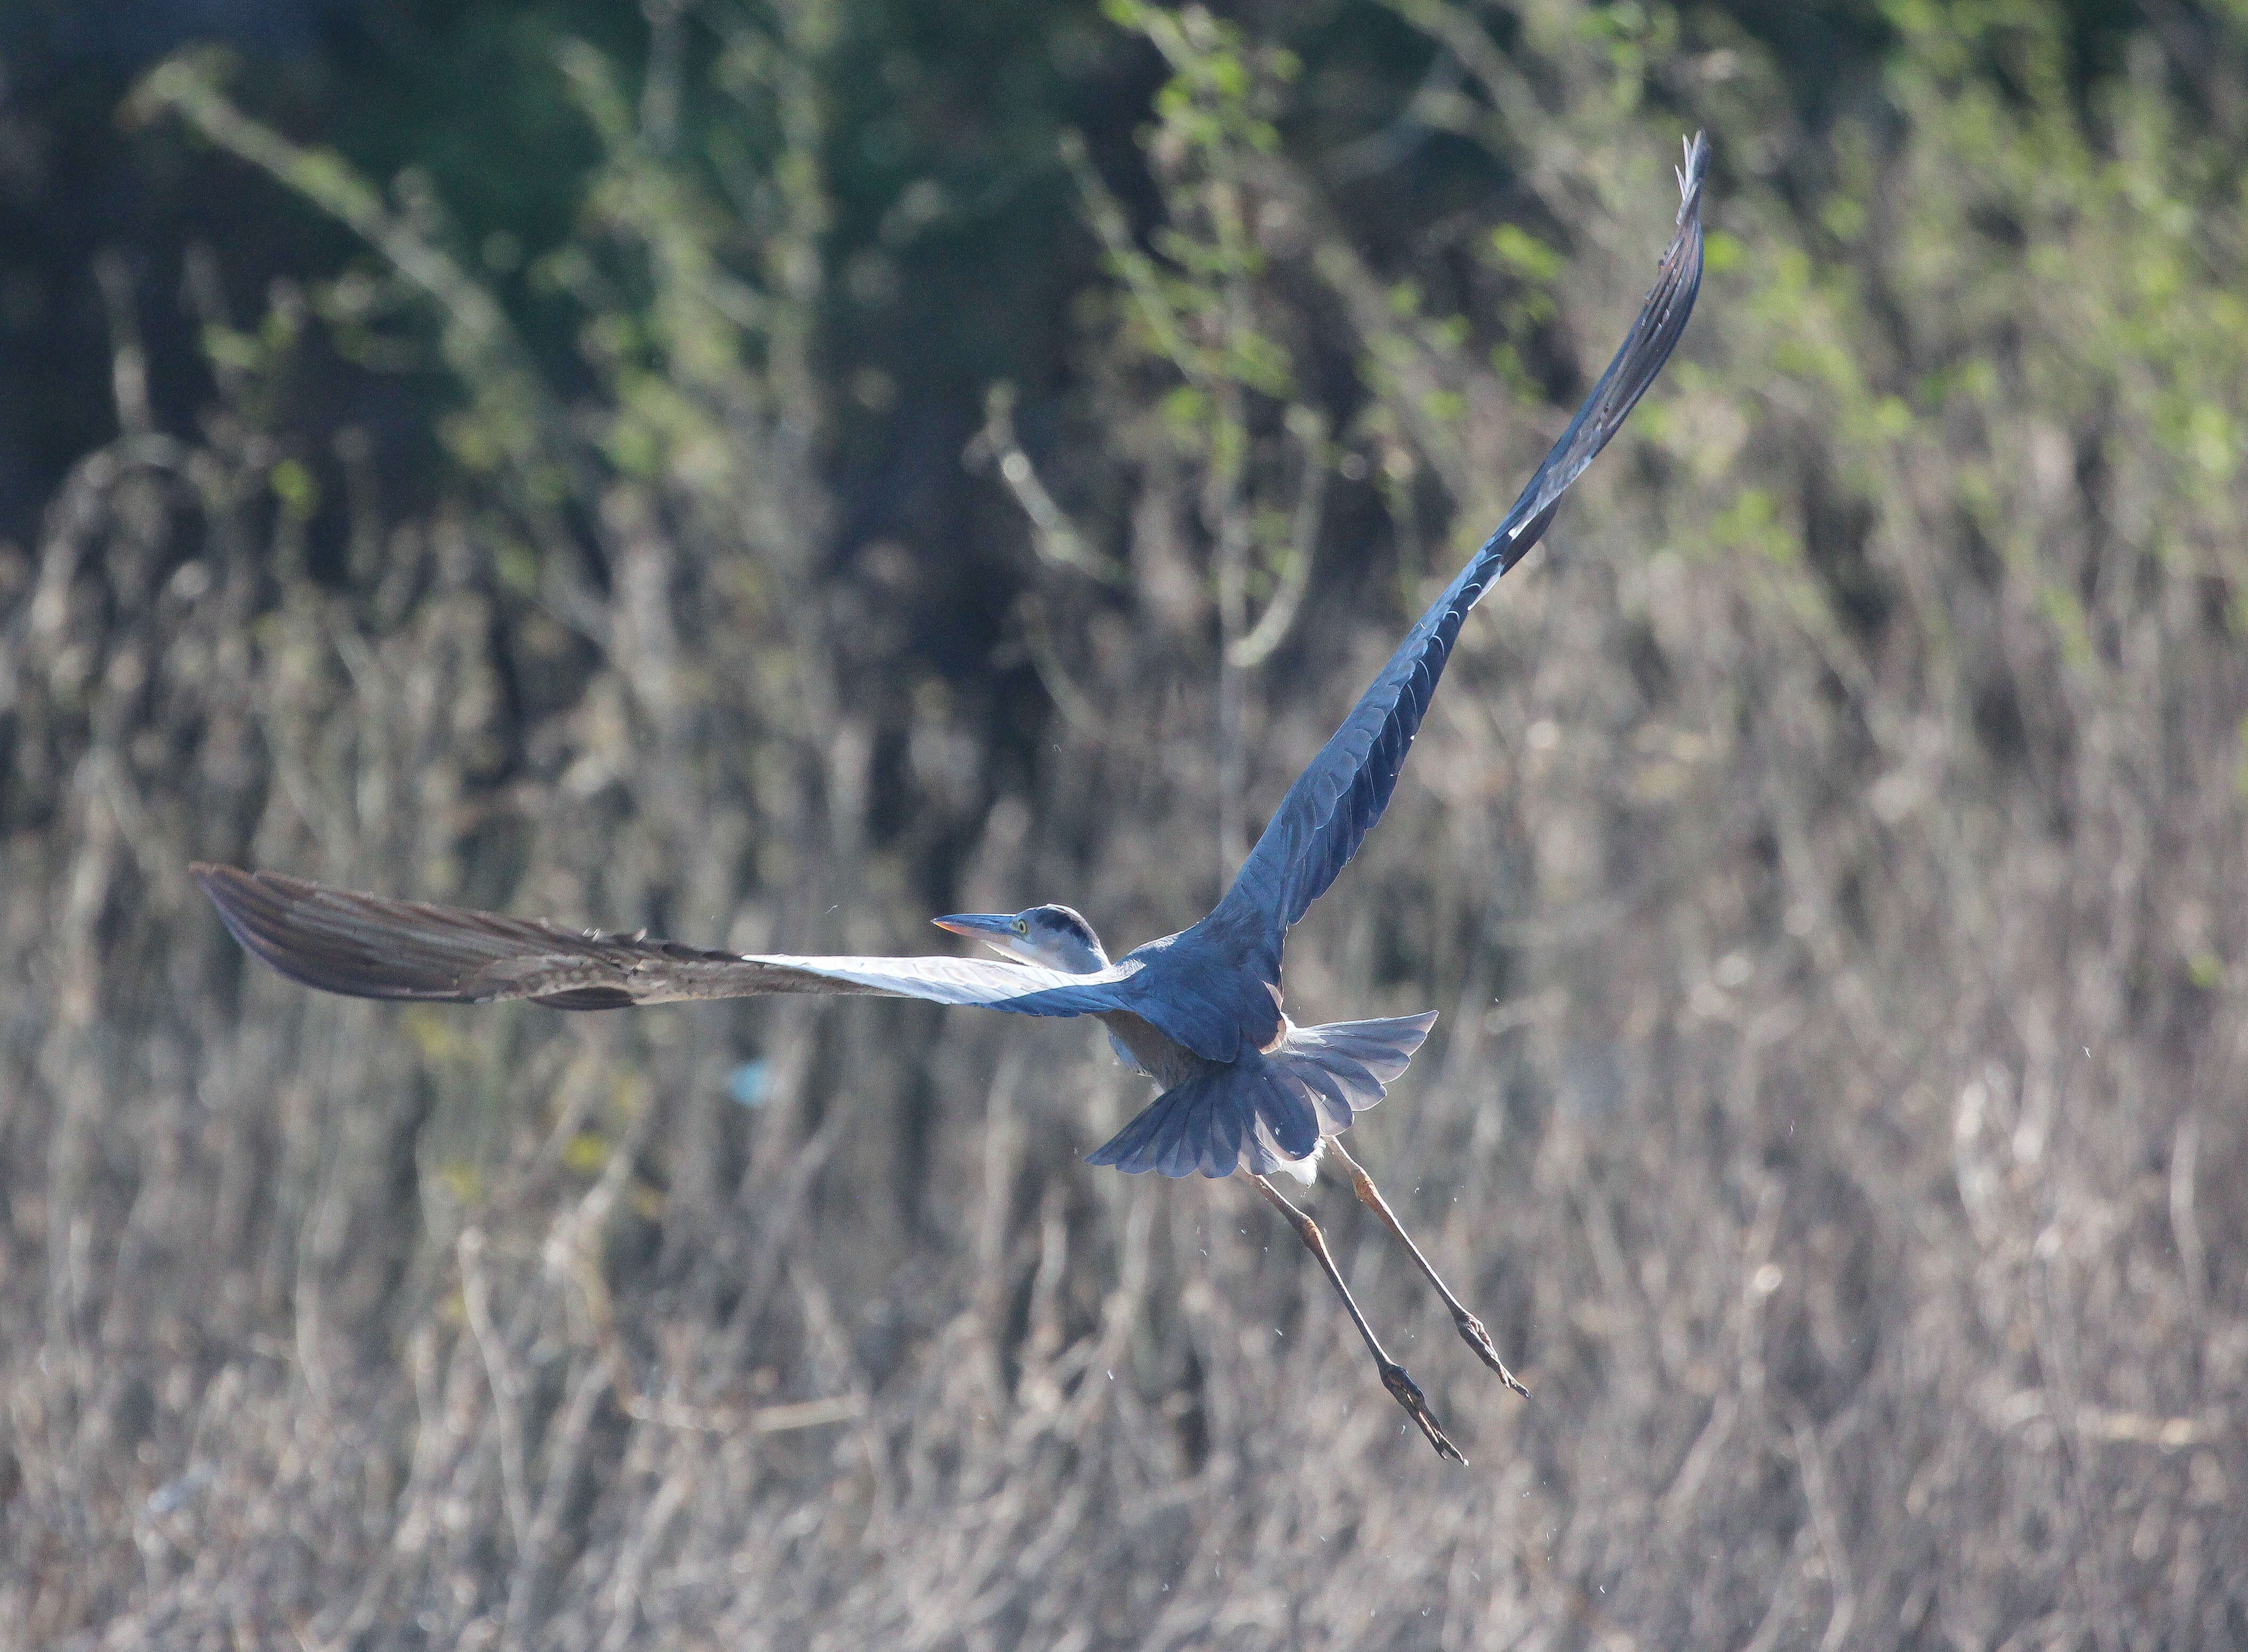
{"points": [[1827, 857]]}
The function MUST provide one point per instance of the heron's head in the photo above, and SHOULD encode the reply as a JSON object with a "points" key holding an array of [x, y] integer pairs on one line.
{"points": [[1052, 937]]}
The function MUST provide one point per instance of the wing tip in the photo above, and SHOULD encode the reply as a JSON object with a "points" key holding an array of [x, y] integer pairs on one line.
{"points": [[1692, 174], [217, 880], [235, 892], [290, 926]]}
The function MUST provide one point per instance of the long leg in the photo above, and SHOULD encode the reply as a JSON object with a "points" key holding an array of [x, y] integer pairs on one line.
{"points": [[1471, 1329], [1401, 1386]]}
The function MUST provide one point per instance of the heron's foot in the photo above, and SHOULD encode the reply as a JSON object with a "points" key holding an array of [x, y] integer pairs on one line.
{"points": [[1407, 1394], [1475, 1336]]}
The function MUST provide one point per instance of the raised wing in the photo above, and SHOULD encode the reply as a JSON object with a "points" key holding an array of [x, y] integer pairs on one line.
{"points": [[369, 947], [1336, 800]]}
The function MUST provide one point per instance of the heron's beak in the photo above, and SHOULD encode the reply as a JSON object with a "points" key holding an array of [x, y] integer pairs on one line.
{"points": [[994, 929], [979, 926]]}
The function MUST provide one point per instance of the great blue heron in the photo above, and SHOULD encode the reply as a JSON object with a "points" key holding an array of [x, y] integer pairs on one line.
{"points": [[1244, 1090]]}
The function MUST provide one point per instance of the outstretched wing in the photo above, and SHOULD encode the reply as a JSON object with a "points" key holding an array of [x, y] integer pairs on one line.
{"points": [[369, 947], [1336, 800]]}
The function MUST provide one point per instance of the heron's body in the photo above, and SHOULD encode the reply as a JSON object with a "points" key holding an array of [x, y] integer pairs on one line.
{"points": [[1242, 1089]]}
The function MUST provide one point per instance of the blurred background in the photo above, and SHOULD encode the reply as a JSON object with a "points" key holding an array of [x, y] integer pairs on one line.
{"points": [[771, 470]]}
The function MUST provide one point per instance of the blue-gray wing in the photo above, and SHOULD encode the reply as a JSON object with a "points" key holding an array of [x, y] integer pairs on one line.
{"points": [[1336, 800], [370, 947]]}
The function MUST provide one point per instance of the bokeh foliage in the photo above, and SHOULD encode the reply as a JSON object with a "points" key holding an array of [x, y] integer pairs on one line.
{"points": [[879, 460]]}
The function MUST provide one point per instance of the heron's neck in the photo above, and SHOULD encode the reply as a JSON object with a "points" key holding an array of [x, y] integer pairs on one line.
{"points": [[1078, 958]]}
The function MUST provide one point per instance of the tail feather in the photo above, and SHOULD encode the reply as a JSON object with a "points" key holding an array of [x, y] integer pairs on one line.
{"points": [[1268, 1110], [1351, 1064], [1383, 1047], [1329, 1094], [1190, 1135]]}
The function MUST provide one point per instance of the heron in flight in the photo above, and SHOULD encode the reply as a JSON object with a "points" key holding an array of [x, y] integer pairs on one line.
{"points": [[1243, 1090]]}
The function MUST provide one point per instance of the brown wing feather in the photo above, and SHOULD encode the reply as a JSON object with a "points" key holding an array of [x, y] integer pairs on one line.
{"points": [[368, 946], [371, 947]]}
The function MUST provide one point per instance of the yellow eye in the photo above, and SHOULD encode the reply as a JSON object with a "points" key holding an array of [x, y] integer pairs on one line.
{"points": [[1021, 927]]}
